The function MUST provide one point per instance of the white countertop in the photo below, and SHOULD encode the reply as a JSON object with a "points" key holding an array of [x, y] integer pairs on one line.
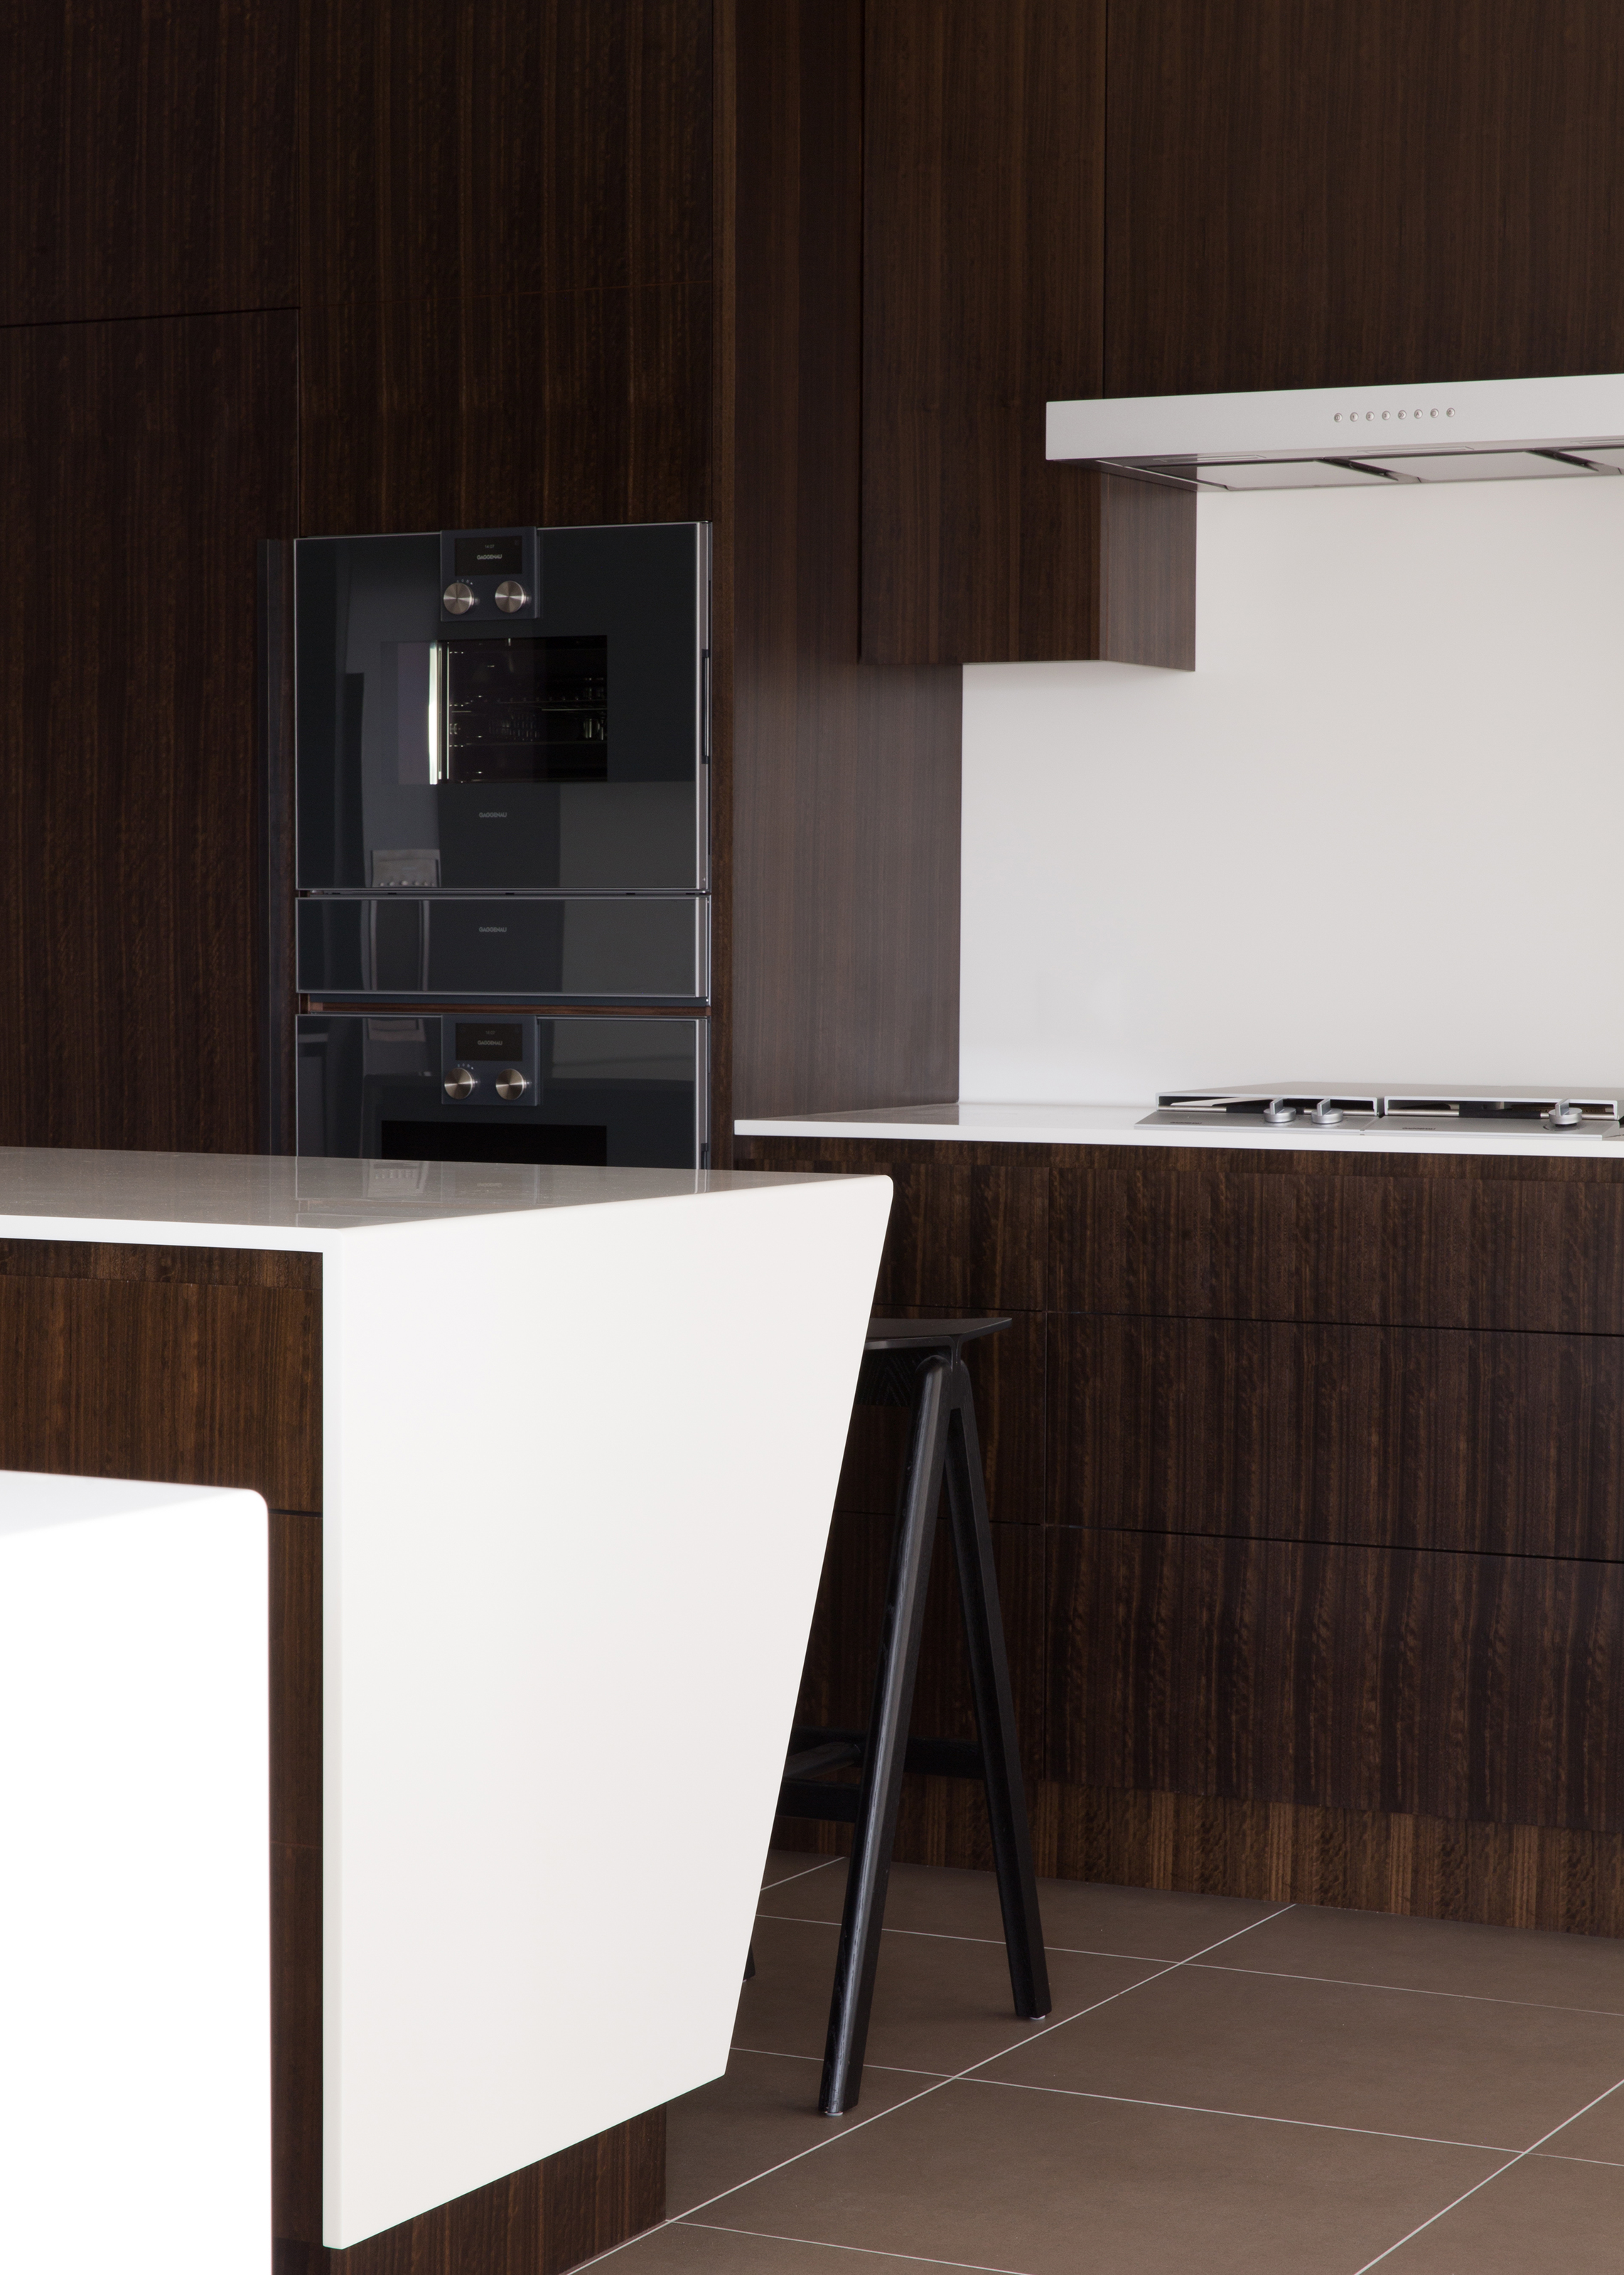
{"points": [[557, 1516], [245, 1201], [977, 1123]]}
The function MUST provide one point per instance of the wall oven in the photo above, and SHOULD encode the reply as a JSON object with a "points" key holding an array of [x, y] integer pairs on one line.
{"points": [[502, 922]]}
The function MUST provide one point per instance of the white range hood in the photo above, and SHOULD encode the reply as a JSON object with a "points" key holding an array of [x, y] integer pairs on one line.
{"points": [[1351, 437]]}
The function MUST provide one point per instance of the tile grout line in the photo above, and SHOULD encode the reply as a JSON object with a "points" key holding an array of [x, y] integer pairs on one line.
{"points": [[816, 2243], [998, 2054], [767, 1887], [1150, 1959], [1495, 2175], [674, 2220], [1241, 2116]]}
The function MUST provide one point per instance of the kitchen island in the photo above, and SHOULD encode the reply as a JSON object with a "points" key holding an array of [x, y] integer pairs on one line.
{"points": [[521, 1434], [1306, 1464]]}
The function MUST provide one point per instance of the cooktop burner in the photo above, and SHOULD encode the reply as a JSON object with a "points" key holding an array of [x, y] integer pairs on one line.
{"points": [[1318, 1105]]}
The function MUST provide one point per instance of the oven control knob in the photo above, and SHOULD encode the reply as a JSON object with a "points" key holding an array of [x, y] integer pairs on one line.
{"points": [[1277, 1112], [511, 597], [457, 598], [1326, 1113], [511, 1083], [459, 1083], [1566, 1115]]}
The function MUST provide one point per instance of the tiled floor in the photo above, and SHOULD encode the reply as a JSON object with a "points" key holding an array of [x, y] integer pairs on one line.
{"points": [[1222, 2087]]}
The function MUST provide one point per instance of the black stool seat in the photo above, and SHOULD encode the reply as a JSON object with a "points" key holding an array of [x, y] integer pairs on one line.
{"points": [[919, 1364]]}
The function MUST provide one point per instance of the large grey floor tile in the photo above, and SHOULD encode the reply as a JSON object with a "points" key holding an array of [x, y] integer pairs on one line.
{"points": [[1538, 2218], [1459, 2069], [1077, 1915], [1049, 2185], [1439, 1955], [937, 2006], [763, 2111]]}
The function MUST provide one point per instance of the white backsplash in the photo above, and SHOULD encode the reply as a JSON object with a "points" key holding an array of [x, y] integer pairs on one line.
{"points": [[1376, 835]]}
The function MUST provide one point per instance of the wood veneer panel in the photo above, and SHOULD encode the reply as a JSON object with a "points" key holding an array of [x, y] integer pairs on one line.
{"points": [[142, 462], [560, 408], [149, 165], [538, 2221], [1418, 1240], [1477, 1686], [1007, 1375], [984, 138], [845, 808], [296, 2056], [1419, 1438], [1433, 1868], [1305, 196], [968, 1226], [1146, 583], [188, 1383], [560, 147], [199, 1267]]}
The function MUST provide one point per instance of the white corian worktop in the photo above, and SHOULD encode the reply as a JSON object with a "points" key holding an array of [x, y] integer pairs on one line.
{"points": [[135, 2054], [581, 1432], [969, 1123]]}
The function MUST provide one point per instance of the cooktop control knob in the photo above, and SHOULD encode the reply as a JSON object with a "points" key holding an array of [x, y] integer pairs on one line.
{"points": [[511, 1083], [1565, 1114], [457, 598], [1326, 1113], [459, 1084], [510, 596], [1278, 1112]]}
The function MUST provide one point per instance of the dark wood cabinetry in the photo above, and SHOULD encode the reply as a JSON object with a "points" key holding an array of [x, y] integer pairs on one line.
{"points": [[1324, 1454], [982, 297], [1309, 196]]}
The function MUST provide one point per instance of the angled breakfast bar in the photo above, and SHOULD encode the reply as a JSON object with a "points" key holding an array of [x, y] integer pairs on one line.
{"points": [[523, 1435]]}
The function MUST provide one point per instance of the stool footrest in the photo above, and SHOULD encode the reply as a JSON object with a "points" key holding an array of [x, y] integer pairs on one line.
{"points": [[816, 1750]]}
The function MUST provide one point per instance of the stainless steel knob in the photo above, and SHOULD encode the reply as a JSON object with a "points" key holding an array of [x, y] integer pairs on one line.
{"points": [[1566, 1115], [511, 1083], [457, 598], [1278, 1112], [1326, 1113], [510, 596], [459, 1083]]}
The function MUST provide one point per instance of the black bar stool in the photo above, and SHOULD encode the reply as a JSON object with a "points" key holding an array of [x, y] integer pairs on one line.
{"points": [[919, 1363]]}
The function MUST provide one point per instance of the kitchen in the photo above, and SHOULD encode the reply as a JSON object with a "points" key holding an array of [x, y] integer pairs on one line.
{"points": [[1381, 793]]}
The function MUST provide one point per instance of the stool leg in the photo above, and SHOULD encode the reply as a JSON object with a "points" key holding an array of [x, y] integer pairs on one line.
{"points": [[989, 1675], [882, 1792]]}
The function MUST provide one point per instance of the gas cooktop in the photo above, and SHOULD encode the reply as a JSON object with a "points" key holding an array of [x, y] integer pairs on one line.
{"points": [[1354, 1106]]}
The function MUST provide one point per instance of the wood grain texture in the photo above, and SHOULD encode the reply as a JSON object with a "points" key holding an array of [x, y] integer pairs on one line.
{"points": [[274, 922], [1278, 1852], [507, 282], [985, 140], [148, 167], [1306, 196], [538, 2221], [1006, 1377], [844, 909], [1478, 1687], [1425, 1240], [143, 463], [188, 1381], [1146, 586], [1403, 1436], [968, 1228]]}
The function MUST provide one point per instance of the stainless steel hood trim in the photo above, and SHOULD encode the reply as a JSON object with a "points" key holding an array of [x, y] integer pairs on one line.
{"points": [[1183, 437]]}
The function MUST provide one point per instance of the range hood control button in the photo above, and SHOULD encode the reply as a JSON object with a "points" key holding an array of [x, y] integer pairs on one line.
{"points": [[1279, 1113], [457, 598], [511, 597], [459, 1084], [511, 1083]]}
